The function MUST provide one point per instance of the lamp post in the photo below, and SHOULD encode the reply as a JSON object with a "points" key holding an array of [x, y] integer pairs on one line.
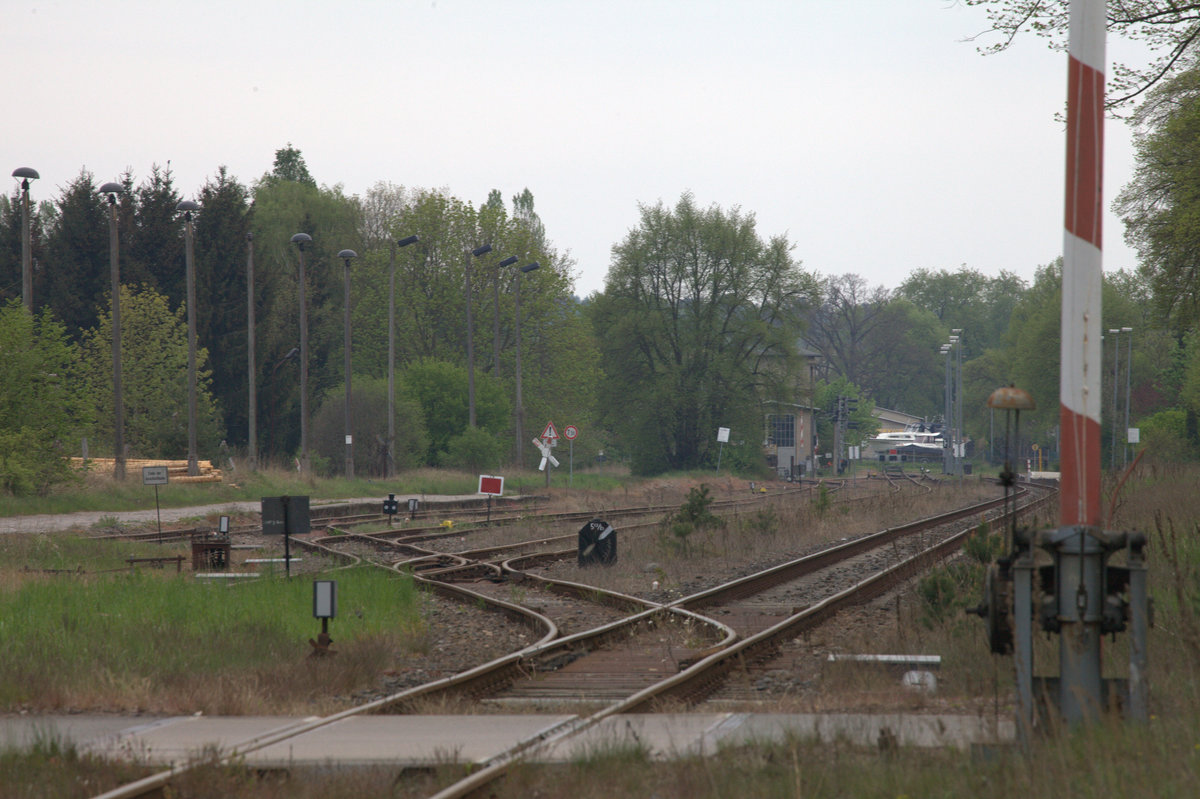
{"points": [[347, 256], [475, 253], [947, 438], [1128, 370], [252, 419], [189, 233], [509, 261], [111, 190], [1115, 332], [26, 174], [300, 239], [960, 450], [524, 270], [391, 404]]}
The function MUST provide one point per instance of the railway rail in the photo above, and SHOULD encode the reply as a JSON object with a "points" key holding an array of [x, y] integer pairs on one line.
{"points": [[647, 654]]}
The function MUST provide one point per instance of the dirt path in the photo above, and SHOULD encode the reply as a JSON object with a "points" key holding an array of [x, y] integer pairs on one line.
{"points": [[81, 520]]}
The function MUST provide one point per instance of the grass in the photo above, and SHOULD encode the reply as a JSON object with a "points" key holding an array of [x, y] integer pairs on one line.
{"points": [[102, 493], [166, 643]]}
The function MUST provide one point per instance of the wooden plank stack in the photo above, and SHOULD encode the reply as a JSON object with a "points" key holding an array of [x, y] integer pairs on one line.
{"points": [[176, 470]]}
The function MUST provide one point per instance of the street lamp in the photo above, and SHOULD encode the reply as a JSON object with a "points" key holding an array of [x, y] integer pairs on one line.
{"points": [[347, 256], [960, 451], [1128, 370], [26, 174], [475, 253], [250, 367], [300, 239], [1115, 332], [524, 270], [189, 208], [111, 190], [509, 261], [391, 405], [947, 437]]}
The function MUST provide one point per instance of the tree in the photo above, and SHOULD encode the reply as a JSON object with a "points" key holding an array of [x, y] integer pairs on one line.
{"points": [[289, 166], [154, 354], [1167, 27], [152, 247], [77, 255], [221, 228], [439, 388], [40, 406], [368, 415], [1161, 205], [699, 321]]}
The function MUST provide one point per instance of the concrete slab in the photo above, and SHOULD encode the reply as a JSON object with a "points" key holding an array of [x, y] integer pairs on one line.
{"points": [[662, 736], [432, 740], [901, 729], [84, 731], [407, 740], [182, 738]]}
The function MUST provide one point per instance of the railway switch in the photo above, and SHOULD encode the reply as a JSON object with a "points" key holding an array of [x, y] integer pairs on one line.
{"points": [[1060, 580]]}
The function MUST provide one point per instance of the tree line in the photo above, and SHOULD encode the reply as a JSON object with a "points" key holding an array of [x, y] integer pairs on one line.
{"points": [[702, 323]]}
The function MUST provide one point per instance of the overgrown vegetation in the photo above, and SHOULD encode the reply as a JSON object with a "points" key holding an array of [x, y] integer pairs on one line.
{"points": [[167, 643]]}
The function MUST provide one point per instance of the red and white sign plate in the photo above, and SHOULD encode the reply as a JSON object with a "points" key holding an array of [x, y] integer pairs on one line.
{"points": [[491, 485], [571, 432], [550, 434]]}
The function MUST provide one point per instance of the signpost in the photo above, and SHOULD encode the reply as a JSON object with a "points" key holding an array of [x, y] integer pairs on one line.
{"points": [[547, 459], [155, 476], [723, 438], [286, 516], [324, 608], [493, 486], [571, 432]]}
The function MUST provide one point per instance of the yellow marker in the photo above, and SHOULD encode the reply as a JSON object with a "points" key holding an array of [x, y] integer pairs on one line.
{"points": [[448, 523]]}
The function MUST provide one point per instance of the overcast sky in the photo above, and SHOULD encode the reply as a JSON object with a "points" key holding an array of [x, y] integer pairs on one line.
{"points": [[869, 132]]}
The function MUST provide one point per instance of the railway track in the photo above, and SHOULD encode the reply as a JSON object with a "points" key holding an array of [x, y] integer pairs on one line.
{"points": [[648, 653]]}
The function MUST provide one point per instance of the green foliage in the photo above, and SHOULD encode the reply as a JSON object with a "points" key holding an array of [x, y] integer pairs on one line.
{"points": [[983, 546], [368, 426], [40, 402], [693, 516], [821, 502], [154, 377], [946, 591], [440, 389], [1165, 435], [473, 450], [699, 320], [111, 628]]}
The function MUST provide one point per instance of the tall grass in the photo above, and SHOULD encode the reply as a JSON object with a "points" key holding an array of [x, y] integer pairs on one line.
{"points": [[163, 643]]}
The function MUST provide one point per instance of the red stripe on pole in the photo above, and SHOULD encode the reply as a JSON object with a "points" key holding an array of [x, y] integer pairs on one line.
{"points": [[1085, 151], [1079, 502]]}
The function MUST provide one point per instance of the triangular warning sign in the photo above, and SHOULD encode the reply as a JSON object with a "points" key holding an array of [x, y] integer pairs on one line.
{"points": [[550, 434]]}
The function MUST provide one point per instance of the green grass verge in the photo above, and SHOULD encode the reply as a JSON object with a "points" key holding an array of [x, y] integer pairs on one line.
{"points": [[159, 640]]}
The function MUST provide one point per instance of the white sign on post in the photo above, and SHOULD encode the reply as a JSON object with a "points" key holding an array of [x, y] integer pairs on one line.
{"points": [[544, 448], [723, 435], [1133, 435], [154, 475]]}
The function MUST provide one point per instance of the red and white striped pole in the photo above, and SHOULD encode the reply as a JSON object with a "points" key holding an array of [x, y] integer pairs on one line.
{"points": [[1079, 396]]}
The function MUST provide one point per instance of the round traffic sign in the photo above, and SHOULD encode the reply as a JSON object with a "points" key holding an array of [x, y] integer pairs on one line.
{"points": [[570, 431]]}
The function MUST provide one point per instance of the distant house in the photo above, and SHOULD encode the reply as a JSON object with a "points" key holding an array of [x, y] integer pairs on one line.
{"points": [[895, 421], [789, 434]]}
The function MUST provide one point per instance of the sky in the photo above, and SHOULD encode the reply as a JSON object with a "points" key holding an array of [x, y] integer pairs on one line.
{"points": [[871, 133]]}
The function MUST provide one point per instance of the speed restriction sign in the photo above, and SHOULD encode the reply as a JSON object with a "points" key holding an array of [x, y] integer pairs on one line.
{"points": [[570, 432]]}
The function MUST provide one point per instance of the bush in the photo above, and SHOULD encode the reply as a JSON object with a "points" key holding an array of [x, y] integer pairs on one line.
{"points": [[474, 450]]}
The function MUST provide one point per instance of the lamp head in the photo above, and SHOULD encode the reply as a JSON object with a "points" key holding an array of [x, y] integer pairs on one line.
{"points": [[481, 250], [530, 267], [346, 255], [300, 239], [509, 261], [26, 174], [188, 207], [407, 240], [111, 190]]}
